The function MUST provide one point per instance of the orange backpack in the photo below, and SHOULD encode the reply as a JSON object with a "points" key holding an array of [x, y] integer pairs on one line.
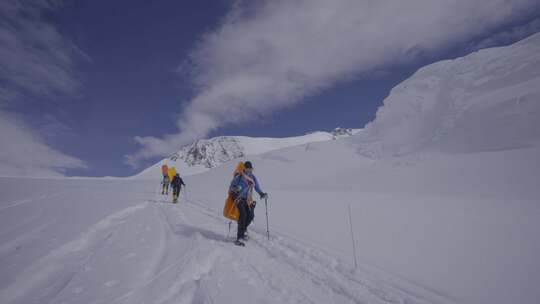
{"points": [[230, 210]]}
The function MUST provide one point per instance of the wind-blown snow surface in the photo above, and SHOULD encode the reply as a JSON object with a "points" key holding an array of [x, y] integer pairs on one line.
{"points": [[95, 241], [486, 101]]}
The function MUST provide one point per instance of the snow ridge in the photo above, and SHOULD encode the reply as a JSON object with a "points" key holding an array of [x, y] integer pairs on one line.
{"points": [[485, 101]]}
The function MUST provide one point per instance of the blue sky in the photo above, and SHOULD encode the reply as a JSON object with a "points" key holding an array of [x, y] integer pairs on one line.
{"points": [[108, 85], [131, 86]]}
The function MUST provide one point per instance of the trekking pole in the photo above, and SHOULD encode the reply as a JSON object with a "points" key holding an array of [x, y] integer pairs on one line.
{"points": [[266, 207], [228, 233]]}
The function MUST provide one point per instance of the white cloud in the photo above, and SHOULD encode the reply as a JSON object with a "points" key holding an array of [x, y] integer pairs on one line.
{"points": [[35, 61], [34, 57], [24, 153], [270, 55]]}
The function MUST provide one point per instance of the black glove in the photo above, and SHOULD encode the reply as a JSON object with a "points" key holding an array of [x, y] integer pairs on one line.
{"points": [[263, 195]]}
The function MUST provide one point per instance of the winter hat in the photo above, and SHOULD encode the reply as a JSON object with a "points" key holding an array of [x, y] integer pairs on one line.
{"points": [[248, 165]]}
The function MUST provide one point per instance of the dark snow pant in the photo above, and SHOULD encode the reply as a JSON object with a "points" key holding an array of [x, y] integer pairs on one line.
{"points": [[165, 189], [251, 214], [244, 219], [176, 193]]}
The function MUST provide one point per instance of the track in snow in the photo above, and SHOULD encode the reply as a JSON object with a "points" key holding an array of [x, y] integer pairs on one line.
{"points": [[209, 269], [157, 252]]}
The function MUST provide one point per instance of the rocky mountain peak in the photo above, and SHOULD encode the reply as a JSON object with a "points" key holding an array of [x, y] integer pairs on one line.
{"points": [[210, 152]]}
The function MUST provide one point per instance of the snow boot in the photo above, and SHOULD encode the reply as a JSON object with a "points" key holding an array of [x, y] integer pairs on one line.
{"points": [[238, 243]]}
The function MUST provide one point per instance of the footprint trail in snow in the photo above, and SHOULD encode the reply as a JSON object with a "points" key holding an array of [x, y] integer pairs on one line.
{"points": [[158, 252]]}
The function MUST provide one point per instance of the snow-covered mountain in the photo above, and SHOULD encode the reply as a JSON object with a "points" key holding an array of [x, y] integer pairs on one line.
{"points": [[486, 101], [450, 228], [205, 154]]}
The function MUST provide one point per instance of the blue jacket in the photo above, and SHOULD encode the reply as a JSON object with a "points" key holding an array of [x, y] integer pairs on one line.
{"points": [[241, 185]]}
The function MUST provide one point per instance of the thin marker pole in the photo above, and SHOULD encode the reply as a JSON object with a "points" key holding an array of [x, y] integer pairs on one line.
{"points": [[266, 206], [352, 237]]}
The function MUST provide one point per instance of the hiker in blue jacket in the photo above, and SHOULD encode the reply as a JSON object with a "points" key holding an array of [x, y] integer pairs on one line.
{"points": [[242, 187]]}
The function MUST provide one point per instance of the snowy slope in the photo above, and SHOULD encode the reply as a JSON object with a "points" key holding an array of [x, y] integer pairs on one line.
{"points": [[91, 241], [486, 101], [205, 154], [447, 229], [464, 226]]}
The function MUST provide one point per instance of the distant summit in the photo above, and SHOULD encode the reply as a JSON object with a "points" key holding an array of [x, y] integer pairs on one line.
{"points": [[343, 132], [205, 154], [209, 153]]}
